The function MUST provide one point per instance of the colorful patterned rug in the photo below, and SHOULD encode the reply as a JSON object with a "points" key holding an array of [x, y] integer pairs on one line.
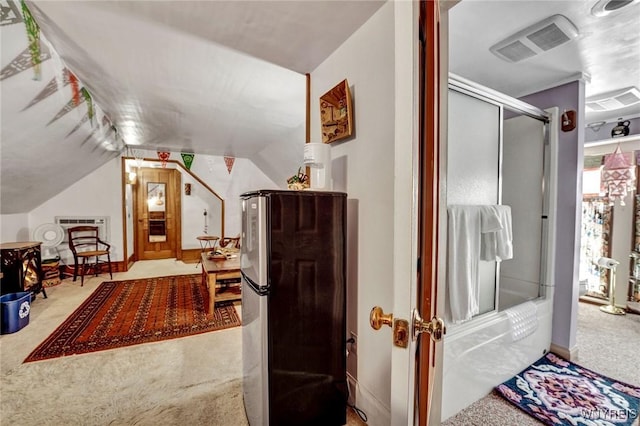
{"points": [[559, 392], [125, 313]]}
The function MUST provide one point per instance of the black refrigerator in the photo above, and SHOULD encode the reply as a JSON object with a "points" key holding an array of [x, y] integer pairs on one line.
{"points": [[293, 307]]}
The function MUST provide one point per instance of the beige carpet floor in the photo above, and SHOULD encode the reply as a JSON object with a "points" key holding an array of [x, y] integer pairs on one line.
{"points": [[194, 380], [197, 379]]}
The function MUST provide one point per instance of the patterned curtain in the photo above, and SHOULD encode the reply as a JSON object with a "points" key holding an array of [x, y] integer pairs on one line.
{"points": [[596, 233]]}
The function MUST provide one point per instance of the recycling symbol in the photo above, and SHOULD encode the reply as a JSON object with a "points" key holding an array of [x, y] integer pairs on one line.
{"points": [[24, 309]]}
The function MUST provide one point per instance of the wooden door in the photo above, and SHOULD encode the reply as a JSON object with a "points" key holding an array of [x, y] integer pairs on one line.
{"points": [[429, 381], [158, 214]]}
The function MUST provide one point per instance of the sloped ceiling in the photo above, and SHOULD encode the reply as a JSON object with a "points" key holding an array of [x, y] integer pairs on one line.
{"points": [[210, 77], [227, 77]]}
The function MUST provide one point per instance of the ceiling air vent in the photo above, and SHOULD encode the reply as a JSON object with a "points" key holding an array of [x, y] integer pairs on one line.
{"points": [[614, 100], [535, 39]]}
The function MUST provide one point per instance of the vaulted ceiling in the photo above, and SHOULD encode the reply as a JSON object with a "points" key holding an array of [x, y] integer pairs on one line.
{"points": [[227, 77]]}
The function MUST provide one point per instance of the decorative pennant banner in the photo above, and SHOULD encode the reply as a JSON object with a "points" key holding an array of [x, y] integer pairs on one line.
{"points": [[229, 162], [33, 33], [75, 89], [51, 88], [87, 98], [164, 157], [23, 62], [80, 123], [68, 107], [10, 13], [93, 131], [187, 159]]}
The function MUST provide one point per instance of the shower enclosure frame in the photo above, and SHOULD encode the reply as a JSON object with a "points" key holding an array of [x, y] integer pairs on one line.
{"points": [[502, 101], [482, 352]]}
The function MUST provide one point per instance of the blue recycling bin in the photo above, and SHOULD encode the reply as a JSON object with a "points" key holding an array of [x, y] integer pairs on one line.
{"points": [[14, 309]]}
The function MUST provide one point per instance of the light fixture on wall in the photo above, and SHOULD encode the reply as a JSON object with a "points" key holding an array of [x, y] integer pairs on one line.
{"points": [[618, 176], [131, 175]]}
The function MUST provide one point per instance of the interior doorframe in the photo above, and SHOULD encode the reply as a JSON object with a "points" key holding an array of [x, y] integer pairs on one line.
{"points": [[173, 187], [432, 204], [413, 148], [130, 258]]}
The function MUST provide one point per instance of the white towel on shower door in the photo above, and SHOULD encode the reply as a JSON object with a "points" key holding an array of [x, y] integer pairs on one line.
{"points": [[465, 226], [498, 245]]}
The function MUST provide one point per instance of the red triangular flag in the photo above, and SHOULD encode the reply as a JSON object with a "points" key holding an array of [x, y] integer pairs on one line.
{"points": [[229, 162], [75, 90], [164, 157]]}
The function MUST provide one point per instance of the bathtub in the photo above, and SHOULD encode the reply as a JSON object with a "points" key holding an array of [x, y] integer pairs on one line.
{"points": [[481, 354]]}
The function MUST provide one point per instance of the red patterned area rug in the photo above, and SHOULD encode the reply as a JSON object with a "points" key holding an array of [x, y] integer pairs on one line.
{"points": [[125, 313]]}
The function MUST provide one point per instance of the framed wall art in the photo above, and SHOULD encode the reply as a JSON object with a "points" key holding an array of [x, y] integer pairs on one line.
{"points": [[336, 113]]}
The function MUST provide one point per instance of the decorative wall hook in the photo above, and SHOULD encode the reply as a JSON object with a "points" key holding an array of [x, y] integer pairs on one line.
{"points": [[568, 121]]}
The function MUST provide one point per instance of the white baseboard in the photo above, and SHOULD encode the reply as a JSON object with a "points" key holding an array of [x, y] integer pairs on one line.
{"points": [[377, 413], [567, 353]]}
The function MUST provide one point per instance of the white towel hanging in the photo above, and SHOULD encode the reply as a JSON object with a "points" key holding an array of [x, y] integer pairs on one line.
{"points": [[498, 245]]}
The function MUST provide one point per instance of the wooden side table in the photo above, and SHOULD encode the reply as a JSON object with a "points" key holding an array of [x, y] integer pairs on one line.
{"points": [[222, 279]]}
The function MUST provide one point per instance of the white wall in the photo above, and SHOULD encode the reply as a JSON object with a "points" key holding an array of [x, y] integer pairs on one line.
{"points": [[99, 194], [14, 227], [288, 152], [363, 166]]}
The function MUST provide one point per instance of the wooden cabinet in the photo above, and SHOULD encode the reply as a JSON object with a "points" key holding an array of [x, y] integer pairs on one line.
{"points": [[21, 268]]}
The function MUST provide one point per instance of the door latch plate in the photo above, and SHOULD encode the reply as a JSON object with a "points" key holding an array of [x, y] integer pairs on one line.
{"points": [[401, 333]]}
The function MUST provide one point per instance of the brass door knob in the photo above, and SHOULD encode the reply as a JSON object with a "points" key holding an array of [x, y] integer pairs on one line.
{"points": [[435, 328], [377, 318]]}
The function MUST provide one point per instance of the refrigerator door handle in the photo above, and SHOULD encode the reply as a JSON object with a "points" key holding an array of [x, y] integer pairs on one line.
{"points": [[259, 289]]}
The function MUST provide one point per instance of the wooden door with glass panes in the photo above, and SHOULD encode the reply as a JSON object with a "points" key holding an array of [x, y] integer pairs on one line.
{"points": [[158, 214]]}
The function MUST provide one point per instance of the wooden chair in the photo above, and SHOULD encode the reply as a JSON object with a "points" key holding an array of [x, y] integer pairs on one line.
{"points": [[85, 243], [229, 242]]}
